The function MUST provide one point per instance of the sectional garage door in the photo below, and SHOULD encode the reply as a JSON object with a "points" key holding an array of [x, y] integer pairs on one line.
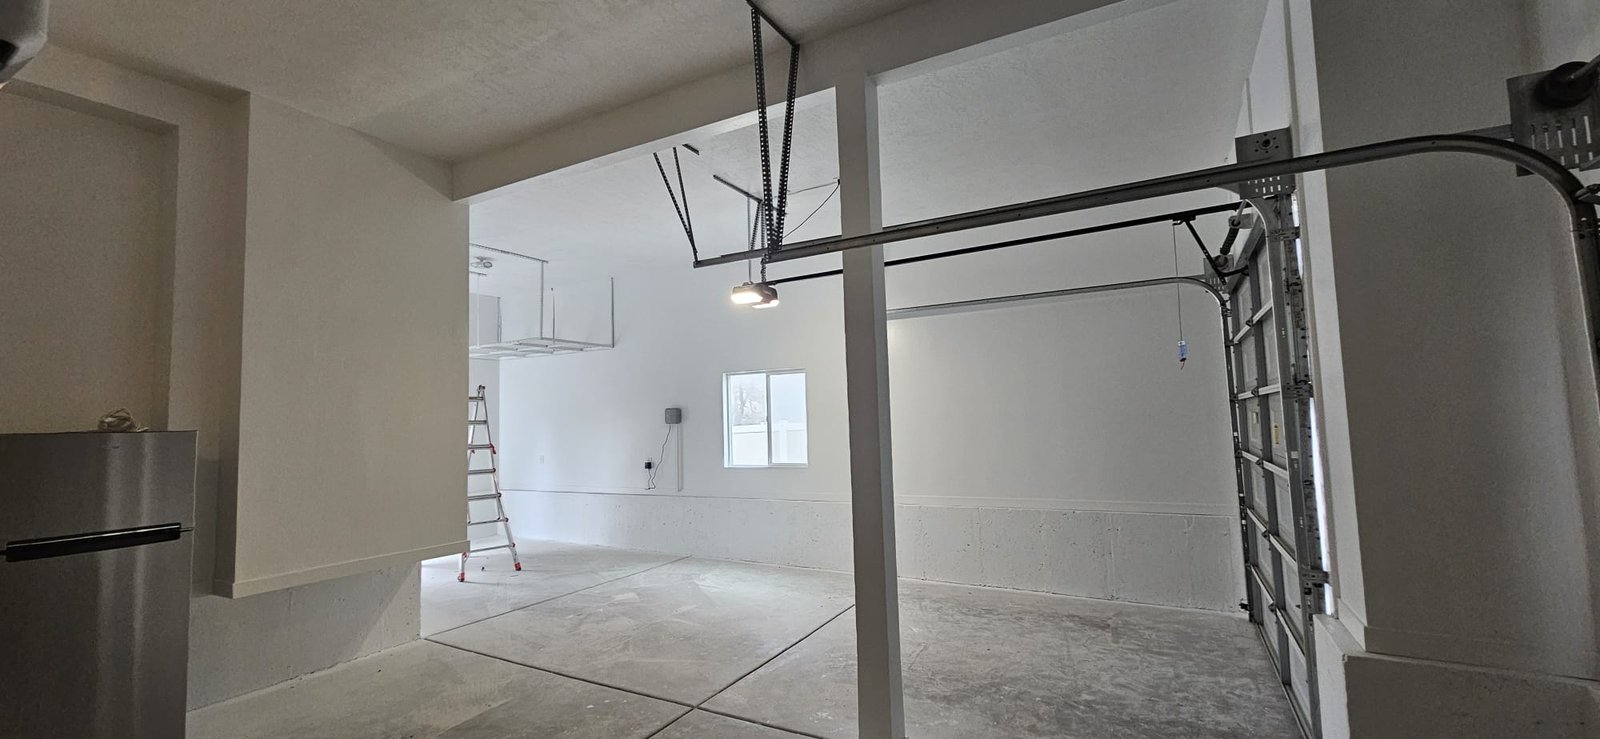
{"points": [[1268, 341]]}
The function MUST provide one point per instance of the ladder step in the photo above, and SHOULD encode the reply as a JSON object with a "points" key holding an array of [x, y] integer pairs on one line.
{"points": [[478, 418]]}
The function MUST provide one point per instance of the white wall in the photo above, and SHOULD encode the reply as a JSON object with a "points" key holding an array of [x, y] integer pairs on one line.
{"points": [[236, 645], [486, 372], [1454, 440], [86, 267], [355, 315], [1024, 455], [1454, 382]]}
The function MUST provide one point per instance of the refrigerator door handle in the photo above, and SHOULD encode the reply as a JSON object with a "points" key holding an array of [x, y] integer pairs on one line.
{"points": [[23, 550]]}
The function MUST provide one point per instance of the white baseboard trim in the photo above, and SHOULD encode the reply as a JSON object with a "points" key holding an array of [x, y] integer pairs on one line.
{"points": [[269, 583]]}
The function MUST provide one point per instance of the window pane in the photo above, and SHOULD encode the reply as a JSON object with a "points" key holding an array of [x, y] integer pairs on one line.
{"points": [[789, 418], [747, 420]]}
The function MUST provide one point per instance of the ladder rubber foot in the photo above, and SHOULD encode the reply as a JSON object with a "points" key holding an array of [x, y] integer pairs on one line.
{"points": [[518, 566], [461, 577]]}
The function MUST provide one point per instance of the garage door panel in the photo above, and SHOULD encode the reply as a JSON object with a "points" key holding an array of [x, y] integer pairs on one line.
{"points": [[1271, 404]]}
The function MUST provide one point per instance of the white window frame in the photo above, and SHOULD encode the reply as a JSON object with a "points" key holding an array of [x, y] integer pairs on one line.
{"points": [[727, 424]]}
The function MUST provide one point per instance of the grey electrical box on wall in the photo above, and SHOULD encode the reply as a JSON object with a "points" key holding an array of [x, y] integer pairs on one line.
{"points": [[674, 416]]}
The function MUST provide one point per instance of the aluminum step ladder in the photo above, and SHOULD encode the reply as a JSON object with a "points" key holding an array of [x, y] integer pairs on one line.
{"points": [[479, 421]]}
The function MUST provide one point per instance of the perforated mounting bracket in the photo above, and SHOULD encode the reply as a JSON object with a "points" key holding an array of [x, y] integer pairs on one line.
{"points": [[1267, 146], [1569, 135]]}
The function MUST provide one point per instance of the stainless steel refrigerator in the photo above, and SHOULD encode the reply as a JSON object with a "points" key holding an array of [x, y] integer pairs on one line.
{"points": [[94, 583]]}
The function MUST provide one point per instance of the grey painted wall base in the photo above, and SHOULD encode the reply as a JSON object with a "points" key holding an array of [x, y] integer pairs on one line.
{"points": [[1188, 561], [240, 645]]}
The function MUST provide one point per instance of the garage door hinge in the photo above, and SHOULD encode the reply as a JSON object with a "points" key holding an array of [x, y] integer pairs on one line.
{"points": [[1300, 390], [1313, 576]]}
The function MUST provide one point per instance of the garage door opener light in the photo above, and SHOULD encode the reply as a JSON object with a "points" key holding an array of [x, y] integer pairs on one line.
{"points": [[755, 295]]}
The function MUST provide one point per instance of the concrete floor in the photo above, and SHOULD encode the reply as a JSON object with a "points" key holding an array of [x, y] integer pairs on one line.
{"points": [[592, 642]]}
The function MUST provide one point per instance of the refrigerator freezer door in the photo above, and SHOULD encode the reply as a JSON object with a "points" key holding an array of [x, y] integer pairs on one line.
{"points": [[55, 485], [96, 645], [94, 583]]}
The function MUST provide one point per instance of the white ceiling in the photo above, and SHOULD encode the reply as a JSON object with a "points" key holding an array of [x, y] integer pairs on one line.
{"points": [[446, 79], [1143, 95]]}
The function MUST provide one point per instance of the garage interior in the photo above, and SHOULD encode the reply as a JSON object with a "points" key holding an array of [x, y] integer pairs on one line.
{"points": [[904, 368]]}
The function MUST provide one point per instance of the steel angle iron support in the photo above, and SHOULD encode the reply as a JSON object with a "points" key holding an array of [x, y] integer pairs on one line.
{"points": [[774, 215]]}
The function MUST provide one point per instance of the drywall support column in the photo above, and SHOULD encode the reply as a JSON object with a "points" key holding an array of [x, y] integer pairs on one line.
{"points": [[866, 351]]}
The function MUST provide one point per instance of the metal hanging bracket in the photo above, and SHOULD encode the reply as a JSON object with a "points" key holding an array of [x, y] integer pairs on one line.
{"points": [[1557, 113], [1267, 146]]}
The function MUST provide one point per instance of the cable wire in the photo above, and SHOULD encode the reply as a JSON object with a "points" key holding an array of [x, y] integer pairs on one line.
{"points": [[807, 219], [650, 483], [1177, 295]]}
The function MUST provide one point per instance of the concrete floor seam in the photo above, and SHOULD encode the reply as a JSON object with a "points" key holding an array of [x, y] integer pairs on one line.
{"points": [[736, 717], [559, 673], [779, 653], [669, 724], [769, 660], [691, 708], [429, 637]]}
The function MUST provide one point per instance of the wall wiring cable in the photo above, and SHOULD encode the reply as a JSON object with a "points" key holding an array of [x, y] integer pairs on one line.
{"points": [[661, 458]]}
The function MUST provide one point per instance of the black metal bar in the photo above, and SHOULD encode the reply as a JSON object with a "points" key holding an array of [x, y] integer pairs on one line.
{"points": [[1102, 228], [1583, 215], [736, 188], [62, 546], [771, 23]]}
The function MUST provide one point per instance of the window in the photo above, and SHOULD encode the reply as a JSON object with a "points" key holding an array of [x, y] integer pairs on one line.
{"points": [[764, 419]]}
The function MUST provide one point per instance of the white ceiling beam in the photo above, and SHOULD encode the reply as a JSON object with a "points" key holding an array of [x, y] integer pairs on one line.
{"points": [[913, 41]]}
